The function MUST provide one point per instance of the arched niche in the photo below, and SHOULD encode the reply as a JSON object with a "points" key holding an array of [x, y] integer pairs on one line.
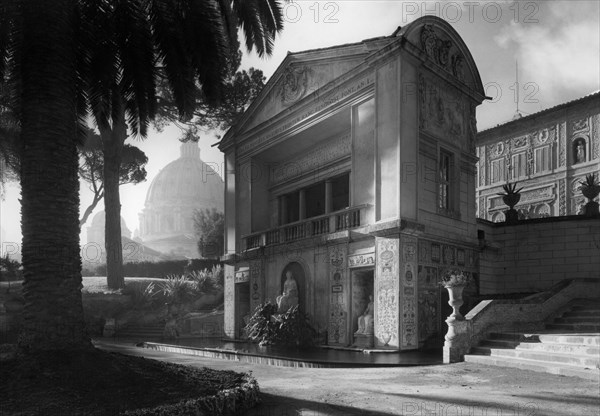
{"points": [[580, 152], [498, 217]]}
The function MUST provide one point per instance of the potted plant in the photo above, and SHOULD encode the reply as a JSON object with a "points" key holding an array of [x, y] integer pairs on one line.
{"points": [[590, 188], [455, 280], [511, 195]]}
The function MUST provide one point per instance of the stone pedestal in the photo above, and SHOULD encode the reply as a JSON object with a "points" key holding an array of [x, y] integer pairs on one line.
{"points": [[364, 340], [511, 216], [457, 342], [591, 209]]}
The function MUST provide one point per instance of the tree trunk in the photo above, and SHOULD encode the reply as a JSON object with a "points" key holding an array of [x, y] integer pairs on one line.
{"points": [[53, 312], [88, 211], [112, 145]]}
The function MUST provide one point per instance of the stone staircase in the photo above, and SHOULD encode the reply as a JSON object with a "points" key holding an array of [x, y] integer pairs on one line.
{"points": [[569, 345]]}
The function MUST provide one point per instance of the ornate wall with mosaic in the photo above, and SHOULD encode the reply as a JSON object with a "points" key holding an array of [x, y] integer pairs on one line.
{"points": [[548, 153], [313, 179]]}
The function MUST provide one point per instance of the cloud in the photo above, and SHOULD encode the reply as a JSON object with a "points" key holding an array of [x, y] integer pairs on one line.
{"points": [[561, 52]]}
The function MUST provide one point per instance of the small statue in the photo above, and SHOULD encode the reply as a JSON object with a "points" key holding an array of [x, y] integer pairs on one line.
{"points": [[365, 321], [580, 155], [289, 297]]}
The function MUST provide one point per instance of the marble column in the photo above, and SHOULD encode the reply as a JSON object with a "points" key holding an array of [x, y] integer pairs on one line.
{"points": [[328, 197], [302, 203]]}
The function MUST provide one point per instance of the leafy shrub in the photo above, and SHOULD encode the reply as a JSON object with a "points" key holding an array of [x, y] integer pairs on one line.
{"points": [[207, 282], [160, 269], [291, 328], [142, 294], [178, 289]]}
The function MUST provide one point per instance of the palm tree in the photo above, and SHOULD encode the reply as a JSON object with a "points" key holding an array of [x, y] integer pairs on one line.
{"points": [[54, 56], [136, 46], [38, 53]]}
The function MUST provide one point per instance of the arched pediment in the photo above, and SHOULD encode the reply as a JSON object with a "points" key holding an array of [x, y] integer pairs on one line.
{"points": [[444, 47]]}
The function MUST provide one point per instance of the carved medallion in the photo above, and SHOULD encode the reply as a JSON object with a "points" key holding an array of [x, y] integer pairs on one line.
{"points": [[294, 84]]}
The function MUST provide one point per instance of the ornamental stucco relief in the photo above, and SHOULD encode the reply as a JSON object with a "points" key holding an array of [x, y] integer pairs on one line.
{"points": [[294, 84], [387, 291]]}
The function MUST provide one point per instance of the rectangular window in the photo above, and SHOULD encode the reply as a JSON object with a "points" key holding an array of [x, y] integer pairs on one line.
{"points": [[315, 200], [519, 166], [292, 207], [497, 171], [340, 192], [542, 159], [445, 181]]}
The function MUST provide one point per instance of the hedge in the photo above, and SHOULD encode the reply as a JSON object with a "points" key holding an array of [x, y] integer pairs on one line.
{"points": [[160, 269]]}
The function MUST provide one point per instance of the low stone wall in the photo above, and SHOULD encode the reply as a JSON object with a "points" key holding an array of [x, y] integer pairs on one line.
{"points": [[520, 315], [533, 255]]}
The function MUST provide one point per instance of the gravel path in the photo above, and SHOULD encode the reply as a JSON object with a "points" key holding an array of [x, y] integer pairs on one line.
{"points": [[463, 389]]}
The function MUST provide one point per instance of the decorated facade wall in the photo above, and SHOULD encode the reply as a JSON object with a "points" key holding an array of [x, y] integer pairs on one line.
{"points": [[434, 258], [338, 303], [547, 155]]}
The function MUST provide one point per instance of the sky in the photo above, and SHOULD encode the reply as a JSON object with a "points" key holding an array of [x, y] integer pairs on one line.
{"points": [[556, 45]]}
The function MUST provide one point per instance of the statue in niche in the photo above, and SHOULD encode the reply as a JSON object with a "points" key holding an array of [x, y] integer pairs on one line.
{"points": [[579, 152], [289, 297], [365, 321]]}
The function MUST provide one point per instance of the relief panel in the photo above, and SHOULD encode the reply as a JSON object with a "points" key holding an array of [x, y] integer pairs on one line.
{"points": [[338, 306], [386, 283]]}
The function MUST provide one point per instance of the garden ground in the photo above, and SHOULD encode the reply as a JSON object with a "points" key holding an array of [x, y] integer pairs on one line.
{"points": [[464, 389]]}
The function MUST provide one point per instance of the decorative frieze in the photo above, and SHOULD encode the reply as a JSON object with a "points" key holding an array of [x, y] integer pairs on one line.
{"points": [[331, 151], [361, 260]]}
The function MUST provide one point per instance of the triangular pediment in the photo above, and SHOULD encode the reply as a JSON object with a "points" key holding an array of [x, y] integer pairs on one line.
{"points": [[300, 75]]}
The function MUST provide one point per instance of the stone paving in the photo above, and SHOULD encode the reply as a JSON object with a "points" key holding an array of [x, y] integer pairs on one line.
{"points": [[464, 389]]}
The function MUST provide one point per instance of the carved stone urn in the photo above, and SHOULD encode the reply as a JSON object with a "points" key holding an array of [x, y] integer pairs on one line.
{"points": [[511, 197], [511, 200], [455, 293]]}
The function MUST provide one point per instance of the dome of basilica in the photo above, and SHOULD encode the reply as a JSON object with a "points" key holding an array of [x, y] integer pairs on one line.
{"points": [[183, 186]]}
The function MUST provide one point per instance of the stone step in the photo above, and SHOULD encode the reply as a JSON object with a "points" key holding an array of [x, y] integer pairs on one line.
{"points": [[586, 304], [573, 338], [583, 361], [582, 320], [499, 343], [575, 327], [508, 336], [563, 348], [581, 314], [540, 366]]}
